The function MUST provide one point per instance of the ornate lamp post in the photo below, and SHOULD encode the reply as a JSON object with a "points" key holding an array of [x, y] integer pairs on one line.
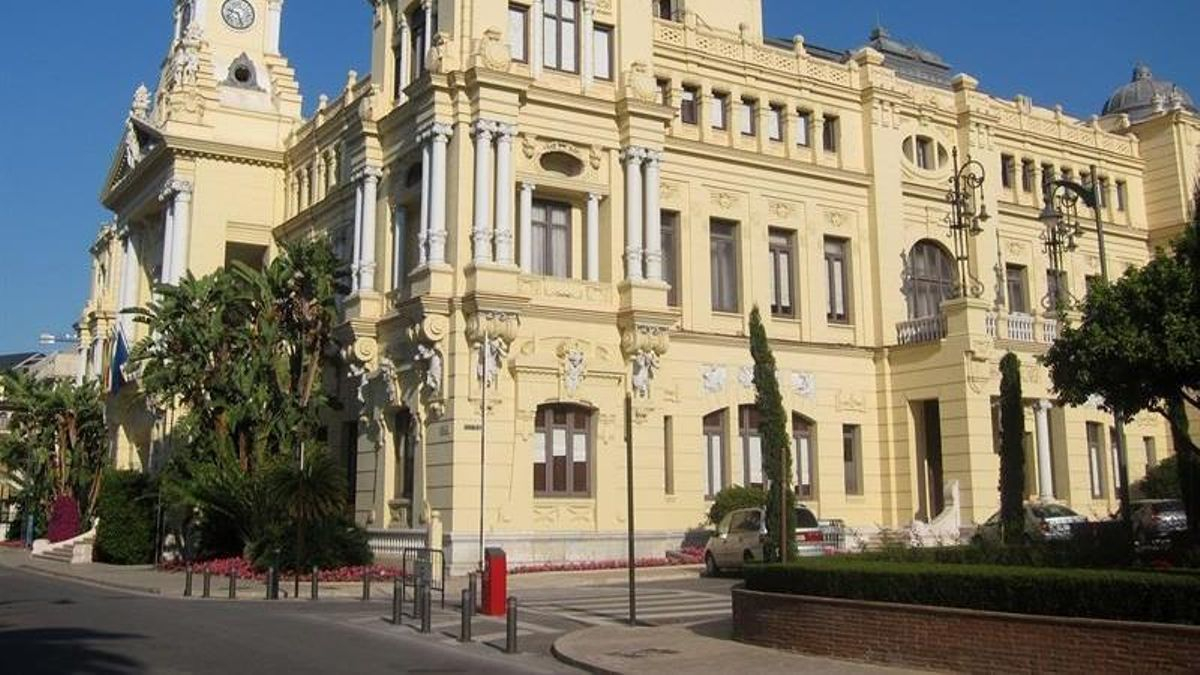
{"points": [[1060, 218], [968, 213]]}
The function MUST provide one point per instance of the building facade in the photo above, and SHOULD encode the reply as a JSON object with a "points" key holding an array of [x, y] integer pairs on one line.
{"points": [[549, 206]]}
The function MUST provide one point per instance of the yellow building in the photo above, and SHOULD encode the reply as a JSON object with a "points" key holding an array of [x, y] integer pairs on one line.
{"points": [[594, 194]]}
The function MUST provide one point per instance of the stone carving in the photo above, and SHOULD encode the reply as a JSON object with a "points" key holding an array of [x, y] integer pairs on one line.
{"points": [[366, 105], [851, 401], [746, 377], [133, 148], [441, 56], [835, 218], [804, 384], [493, 332], [712, 378], [645, 365], [140, 108], [643, 345], [573, 367], [724, 200], [641, 82], [781, 210], [429, 359], [492, 53]]}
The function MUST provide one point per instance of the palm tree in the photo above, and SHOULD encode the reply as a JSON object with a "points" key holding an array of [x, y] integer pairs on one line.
{"points": [[308, 494]]}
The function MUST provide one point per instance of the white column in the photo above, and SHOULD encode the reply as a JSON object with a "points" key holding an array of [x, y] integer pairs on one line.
{"points": [[405, 55], [358, 230], [535, 39], [366, 260], [526, 234], [200, 13], [1041, 413], [482, 232], [166, 275], [130, 282], [633, 212], [593, 237], [274, 19], [437, 195], [427, 5], [654, 254], [504, 194], [181, 240], [423, 225], [399, 240], [586, 62]]}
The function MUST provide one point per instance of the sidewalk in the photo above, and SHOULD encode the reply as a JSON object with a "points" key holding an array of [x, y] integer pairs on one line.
{"points": [[624, 650]]}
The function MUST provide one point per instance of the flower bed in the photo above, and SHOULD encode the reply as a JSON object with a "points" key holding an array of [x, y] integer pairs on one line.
{"points": [[224, 566], [686, 556]]}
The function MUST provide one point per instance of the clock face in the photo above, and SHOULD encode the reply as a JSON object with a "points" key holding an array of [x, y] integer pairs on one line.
{"points": [[239, 14]]}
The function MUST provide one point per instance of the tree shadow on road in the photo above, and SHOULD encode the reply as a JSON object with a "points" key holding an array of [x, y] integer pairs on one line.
{"points": [[64, 650]]}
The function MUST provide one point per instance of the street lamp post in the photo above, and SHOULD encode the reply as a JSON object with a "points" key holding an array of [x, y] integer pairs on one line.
{"points": [[1060, 218], [967, 214]]}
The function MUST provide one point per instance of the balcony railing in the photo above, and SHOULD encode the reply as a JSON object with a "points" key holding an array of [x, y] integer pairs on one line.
{"points": [[1049, 330], [924, 329], [1019, 327]]}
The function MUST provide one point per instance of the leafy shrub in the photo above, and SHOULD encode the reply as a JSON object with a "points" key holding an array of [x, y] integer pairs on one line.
{"points": [[1092, 545], [336, 542], [17, 527], [733, 498], [125, 535], [1160, 482], [1098, 594], [64, 520]]}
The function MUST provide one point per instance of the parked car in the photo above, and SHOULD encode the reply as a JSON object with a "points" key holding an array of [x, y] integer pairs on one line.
{"points": [[1157, 521], [1044, 521], [742, 537]]}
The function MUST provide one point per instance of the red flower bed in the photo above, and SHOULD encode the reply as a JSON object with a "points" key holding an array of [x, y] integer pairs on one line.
{"points": [[224, 566], [687, 556], [15, 543]]}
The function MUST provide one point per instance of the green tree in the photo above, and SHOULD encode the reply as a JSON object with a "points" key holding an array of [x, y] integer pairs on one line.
{"points": [[776, 446], [1138, 346], [308, 494], [1012, 449], [1160, 482], [56, 443]]}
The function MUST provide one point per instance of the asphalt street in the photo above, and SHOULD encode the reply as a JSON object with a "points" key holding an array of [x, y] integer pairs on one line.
{"points": [[57, 626]]}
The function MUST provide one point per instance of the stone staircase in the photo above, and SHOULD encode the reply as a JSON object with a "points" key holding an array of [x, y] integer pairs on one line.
{"points": [[71, 552]]}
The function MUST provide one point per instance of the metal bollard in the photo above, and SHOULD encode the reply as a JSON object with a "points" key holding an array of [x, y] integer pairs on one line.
{"points": [[233, 585], [426, 610], [416, 612], [272, 583], [473, 586], [316, 580], [207, 583], [510, 646], [397, 600], [464, 632], [366, 596], [187, 582], [296, 590]]}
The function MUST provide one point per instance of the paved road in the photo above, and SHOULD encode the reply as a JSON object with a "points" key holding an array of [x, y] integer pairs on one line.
{"points": [[57, 626]]}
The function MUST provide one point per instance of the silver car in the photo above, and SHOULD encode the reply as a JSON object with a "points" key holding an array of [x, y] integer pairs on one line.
{"points": [[1157, 521], [742, 535], [1044, 521]]}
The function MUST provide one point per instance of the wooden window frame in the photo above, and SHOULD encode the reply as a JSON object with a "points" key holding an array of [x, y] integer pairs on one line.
{"points": [[545, 426], [780, 241]]}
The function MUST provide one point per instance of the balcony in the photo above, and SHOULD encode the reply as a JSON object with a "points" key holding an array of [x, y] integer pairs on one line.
{"points": [[1015, 327], [1019, 327], [924, 329]]}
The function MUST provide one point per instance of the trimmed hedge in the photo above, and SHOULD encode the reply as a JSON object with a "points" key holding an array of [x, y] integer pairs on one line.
{"points": [[126, 511], [1103, 544], [1095, 594]]}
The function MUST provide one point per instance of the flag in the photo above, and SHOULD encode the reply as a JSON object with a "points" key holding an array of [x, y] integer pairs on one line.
{"points": [[116, 375]]}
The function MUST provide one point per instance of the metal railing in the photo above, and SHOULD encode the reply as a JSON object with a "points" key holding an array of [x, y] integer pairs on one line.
{"points": [[391, 543], [924, 329]]}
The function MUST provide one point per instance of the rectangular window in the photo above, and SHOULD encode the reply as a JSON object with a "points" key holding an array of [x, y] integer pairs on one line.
{"points": [[1028, 171], [1008, 169], [723, 262], [925, 152], [714, 454], [805, 458], [1047, 174], [670, 251], [664, 9], [518, 32], [1122, 195], [561, 452], [602, 44], [718, 107], [1016, 285], [663, 86], [560, 35], [830, 133], [687, 104], [783, 274], [749, 420], [1057, 294], [668, 455], [416, 39], [551, 243], [837, 278], [398, 68], [803, 127], [1095, 440], [1102, 193], [852, 458], [748, 111], [1151, 451], [775, 123]]}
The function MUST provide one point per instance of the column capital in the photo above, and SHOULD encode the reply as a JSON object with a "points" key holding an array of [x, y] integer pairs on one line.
{"points": [[594, 196], [653, 157], [589, 6], [1042, 404], [372, 173], [173, 187], [427, 5], [634, 155], [485, 128], [528, 186], [505, 131], [441, 132]]}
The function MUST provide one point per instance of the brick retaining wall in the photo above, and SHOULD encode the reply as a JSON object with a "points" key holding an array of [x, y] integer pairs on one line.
{"points": [[960, 639]]}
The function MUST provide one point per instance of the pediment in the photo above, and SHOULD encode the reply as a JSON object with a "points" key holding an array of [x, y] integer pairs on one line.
{"points": [[138, 141]]}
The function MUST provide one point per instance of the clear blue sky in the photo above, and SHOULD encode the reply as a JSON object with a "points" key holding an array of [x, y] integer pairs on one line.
{"points": [[68, 74]]}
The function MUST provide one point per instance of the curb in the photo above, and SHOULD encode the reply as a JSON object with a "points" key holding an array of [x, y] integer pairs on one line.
{"points": [[576, 663], [90, 582]]}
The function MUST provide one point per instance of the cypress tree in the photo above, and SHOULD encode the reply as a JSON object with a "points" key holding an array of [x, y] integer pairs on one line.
{"points": [[1012, 450], [776, 446]]}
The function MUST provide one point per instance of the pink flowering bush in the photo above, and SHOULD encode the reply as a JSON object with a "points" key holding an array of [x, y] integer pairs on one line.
{"points": [[64, 520], [224, 566], [687, 556]]}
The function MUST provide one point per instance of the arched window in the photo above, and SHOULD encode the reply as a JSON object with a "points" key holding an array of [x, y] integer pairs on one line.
{"points": [[714, 453], [562, 451], [932, 279], [803, 439]]}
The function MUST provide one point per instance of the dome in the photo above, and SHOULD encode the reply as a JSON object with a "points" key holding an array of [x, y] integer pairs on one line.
{"points": [[1145, 96]]}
